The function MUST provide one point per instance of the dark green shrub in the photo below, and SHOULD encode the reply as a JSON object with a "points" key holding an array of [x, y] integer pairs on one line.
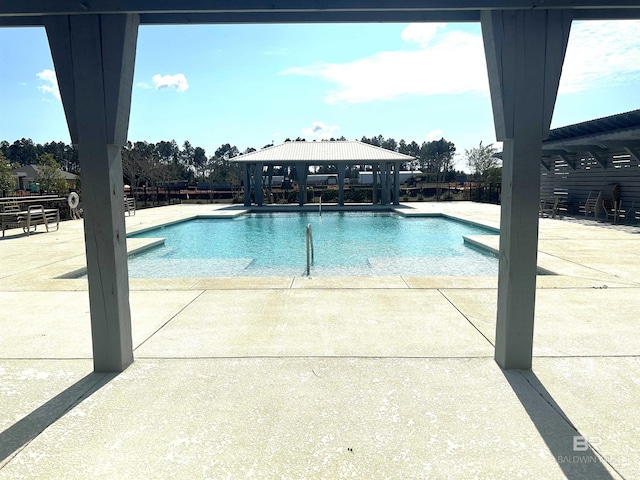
{"points": [[330, 195]]}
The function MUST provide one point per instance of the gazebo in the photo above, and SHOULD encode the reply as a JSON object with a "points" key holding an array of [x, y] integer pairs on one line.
{"points": [[385, 165]]}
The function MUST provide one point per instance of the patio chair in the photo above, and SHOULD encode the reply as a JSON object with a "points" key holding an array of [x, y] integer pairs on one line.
{"points": [[610, 209], [592, 205], [623, 213], [38, 215], [549, 207], [10, 216], [129, 205], [609, 201]]}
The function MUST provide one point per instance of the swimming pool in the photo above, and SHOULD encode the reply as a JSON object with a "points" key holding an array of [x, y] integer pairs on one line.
{"points": [[345, 244]]}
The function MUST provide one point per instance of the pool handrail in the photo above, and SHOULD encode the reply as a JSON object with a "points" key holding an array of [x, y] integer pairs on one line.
{"points": [[309, 243]]}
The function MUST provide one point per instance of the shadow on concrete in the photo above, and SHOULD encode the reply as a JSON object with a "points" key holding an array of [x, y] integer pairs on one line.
{"points": [[576, 457], [18, 435]]}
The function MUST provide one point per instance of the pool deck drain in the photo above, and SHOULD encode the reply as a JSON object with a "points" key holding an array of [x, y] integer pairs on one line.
{"points": [[334, 377]]}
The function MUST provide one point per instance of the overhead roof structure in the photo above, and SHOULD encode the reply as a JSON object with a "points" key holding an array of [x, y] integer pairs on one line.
{"points": [[619, 127], [93, 45], [608, 136], [617, 133], [323, 152], [24, 13]]}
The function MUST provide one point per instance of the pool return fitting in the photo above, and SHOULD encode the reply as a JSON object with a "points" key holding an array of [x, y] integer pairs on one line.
{"points": [[309, 249]]}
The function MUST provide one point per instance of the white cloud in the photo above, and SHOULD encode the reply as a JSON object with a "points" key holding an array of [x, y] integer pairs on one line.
{"points": [[601, 53], [421, 33], [50, 82], [450, 61], [320, 131], [176, 82], [144, 85], [433, 135]]}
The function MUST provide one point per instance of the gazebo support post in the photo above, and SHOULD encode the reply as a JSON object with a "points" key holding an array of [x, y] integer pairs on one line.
{"points": [[257, 182], [301, 171], [384, 191], [246, 181], [341, 168], [396, 183], [270, 182], [374, 183]]}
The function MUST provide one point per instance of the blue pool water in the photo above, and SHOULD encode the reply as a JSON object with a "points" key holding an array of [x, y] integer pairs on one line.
{"points": [[352, 244]]}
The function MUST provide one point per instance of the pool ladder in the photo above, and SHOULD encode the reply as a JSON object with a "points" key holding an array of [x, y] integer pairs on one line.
{"points": [[309, 249]]}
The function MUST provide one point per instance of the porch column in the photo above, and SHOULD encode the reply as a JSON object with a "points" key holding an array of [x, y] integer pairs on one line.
{"points": [[246, 181], [301, 171], [94, 57], [257, 182], [342, 168], [525, 51]]}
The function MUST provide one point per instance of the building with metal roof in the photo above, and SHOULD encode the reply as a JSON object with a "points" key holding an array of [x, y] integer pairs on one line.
{"points": [[586, 157], [386, 165]]}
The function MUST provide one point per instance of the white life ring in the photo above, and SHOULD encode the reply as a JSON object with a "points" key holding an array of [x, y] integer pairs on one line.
{"points": [[73, 200]]}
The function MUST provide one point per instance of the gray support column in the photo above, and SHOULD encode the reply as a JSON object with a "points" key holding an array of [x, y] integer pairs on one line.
{"points": [[384, 183], [383, 177], [301, 171], [246, 180], [270, 183], [374, 183], [525, 51], [94, 57], [257, 182], [389, 183], [341, 173], [396, 183]]}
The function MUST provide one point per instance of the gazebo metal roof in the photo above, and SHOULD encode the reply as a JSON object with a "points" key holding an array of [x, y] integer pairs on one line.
{"points": [[323, 152]]}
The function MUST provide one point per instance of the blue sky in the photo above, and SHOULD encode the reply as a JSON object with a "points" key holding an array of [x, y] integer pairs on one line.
{"points": [[250, 85]]}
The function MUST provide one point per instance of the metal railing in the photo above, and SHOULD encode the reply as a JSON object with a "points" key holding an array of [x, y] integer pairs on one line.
{"points": [[309, 249]]}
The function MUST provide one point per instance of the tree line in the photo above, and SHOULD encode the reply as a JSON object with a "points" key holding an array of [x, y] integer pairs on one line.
{"points": [[26, 152], [151, 164]]}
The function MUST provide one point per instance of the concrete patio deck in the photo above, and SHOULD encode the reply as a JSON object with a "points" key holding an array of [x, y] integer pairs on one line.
{"points": [[367, 378]]}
